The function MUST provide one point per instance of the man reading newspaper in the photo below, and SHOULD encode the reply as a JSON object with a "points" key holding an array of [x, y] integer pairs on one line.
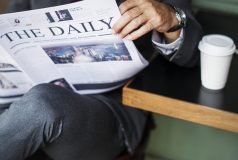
{"points": [[92, 126]]}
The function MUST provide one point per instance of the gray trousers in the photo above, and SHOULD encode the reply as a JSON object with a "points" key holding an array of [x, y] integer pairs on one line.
{"points": [[67, 126]]}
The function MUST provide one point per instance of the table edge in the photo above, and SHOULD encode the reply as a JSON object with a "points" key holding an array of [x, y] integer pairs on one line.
{"points": [[180, 109]]}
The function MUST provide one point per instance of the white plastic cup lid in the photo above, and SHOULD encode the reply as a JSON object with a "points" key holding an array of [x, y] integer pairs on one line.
{"points": [[217, 45]]}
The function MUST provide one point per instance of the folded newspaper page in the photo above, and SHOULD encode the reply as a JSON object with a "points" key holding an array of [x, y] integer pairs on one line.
{"points": [[72, 43], [13, 82]]}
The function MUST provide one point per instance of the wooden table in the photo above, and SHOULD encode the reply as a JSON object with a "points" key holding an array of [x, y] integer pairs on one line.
{"points": [[177, 92]]}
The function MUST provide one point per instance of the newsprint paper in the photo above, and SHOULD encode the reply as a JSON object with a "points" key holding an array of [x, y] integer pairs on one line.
{"points": [[70, 45]]}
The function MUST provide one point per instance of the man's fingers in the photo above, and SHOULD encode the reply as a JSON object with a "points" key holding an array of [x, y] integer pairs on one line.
{"points": [[134, 24], [138, 18], [126, 18], [140, 32], [127, 5]]}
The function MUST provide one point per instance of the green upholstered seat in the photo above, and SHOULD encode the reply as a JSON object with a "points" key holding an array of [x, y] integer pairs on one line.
{"points": [[175, 139], [225, 6]]}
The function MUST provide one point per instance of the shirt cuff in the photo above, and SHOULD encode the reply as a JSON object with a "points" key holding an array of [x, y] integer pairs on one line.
{"points": [[169, 48]]}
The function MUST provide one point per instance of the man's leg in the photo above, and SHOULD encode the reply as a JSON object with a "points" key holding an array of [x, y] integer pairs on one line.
{"points": [[66, 125]]}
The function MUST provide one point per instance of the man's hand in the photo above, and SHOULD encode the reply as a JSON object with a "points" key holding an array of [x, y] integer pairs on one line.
{"points": [[141, 16]]}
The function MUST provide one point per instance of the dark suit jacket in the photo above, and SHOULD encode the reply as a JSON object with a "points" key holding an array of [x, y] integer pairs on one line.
{"points": [[187, 55]]}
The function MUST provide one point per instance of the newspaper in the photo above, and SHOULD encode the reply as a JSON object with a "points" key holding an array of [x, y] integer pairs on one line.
{"points": [[70, 45]]}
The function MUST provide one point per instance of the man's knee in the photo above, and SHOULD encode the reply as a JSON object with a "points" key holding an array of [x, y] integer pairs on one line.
{"points": [[38, 104]]}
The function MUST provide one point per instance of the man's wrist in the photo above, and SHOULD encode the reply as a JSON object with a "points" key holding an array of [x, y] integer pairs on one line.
{"points": [[171, 36], [175, 25], [159, 42], [180, 17]]}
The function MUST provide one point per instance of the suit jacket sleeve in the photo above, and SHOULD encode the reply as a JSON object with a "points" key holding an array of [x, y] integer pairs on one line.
{"points": [[24, 5], [187, 55], [18, 5]]}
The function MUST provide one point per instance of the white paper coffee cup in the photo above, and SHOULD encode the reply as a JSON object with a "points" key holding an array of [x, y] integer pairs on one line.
{"points": [[216, 55]]}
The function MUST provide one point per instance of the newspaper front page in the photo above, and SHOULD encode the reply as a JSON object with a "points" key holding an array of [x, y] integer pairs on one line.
{"points": [[72, 42]]}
